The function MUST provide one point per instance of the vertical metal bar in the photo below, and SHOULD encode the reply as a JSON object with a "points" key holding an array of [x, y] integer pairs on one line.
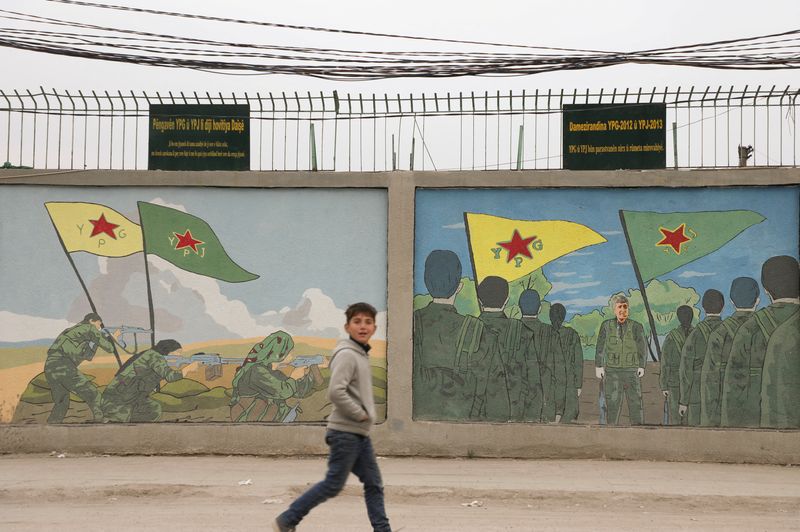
{"points": [[99, 117], [510, 129], [322, 132], [260, 132], [460, 127], [124, 123], [473, 130], [249, 125], [728, 132], [85, 127], [297, 134], [769, 103], [702, 126], [755, 124], [689, 126], [272, 134], [8, 133], [716, 99], [486, 130], [47, 128], [399, 128], [361, 133], [520, 142], [21, 124], [536, 129], [72, 132], [497, 157], [111, 137], [741, 116], [349, 134], [424, 112], [780, 117], [374, 128], [336, 125], [561, 129], [312, 144], [35, 119], [386, 130], [285, 129], [136, 132], [549, 93], [311, 120], [677, 118], [60, 115], [524, 115]]}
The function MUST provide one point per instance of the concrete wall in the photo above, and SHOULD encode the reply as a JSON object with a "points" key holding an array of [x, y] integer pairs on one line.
{"points": [[400, 434]]}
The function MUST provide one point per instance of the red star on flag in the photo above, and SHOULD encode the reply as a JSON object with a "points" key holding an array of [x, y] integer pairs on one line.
{"points": [[186, 240], [101, 225], [517, 246], [674, 238]]}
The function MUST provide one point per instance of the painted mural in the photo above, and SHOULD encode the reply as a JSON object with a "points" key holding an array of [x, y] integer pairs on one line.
{"points": [[183, 304], [611, 306]]}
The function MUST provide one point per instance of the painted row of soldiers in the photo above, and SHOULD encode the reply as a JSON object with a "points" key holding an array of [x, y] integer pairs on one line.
{"points": [[743, 371], [491, 367]]}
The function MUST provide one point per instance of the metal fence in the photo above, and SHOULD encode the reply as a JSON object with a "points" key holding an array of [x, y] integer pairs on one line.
{"points": [[357, 132]]}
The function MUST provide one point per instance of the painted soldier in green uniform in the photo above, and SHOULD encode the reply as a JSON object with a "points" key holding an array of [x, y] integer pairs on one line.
{"points": [[536, 336], [73, 346], [566, 346], [694, 354], [741, 389], [780, 387], [744, 295], [620, 360], [669, 380], [503, 357], [126, 399], [260, 390], [444, 344]]}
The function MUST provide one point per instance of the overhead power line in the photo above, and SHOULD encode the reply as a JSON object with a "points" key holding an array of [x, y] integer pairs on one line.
{"points": [[91, 41]]}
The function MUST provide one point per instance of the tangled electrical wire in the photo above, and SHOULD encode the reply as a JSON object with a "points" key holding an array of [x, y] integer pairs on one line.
{"points": [[91, 41]]}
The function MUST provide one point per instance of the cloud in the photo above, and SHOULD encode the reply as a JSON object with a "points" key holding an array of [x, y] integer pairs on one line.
{"points": [[561, 287], [610, 233], [580, 253], [599, 301], [572, 292], [690, 273], [585, 277], [622, 263], [24, 328], [455, 226], [165, 203], [563, 274]]}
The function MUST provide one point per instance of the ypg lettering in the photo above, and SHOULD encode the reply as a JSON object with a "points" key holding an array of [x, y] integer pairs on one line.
{"points": [[101, 226]]}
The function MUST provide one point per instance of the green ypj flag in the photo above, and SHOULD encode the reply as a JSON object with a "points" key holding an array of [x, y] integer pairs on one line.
{"points": [[661, 242], [187, 242]]}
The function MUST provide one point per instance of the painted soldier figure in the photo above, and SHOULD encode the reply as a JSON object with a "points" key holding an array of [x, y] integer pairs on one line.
{"points": [[260, 391], [669, 380], [566, 346], [693, 355], [503, 359], [620, 360], [744, 295], [73, 346], [741, 390], [780, 387], [445, 342], [536, 336], [127, 399]]}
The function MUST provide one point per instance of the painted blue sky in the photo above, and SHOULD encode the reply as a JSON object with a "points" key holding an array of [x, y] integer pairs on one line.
{"points": [[334, 240], [586, 278]]}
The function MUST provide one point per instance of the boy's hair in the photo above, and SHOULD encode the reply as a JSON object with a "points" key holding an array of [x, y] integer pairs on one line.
{"points": [[360, 308]]}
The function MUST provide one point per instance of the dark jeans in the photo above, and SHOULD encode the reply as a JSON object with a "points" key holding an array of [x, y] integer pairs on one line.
{"points": [[349, 453]]}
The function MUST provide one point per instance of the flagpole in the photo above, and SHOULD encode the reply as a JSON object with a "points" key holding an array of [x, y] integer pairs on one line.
{"points": [[471, 258], [83, 284], [641, 284], [147, 278]]}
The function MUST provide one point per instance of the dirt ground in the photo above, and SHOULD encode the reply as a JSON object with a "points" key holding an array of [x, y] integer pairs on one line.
{"points": [[101, 493]]}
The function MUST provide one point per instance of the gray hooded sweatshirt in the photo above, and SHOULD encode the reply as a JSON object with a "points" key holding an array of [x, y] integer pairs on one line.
{"points": [[350, 389]]}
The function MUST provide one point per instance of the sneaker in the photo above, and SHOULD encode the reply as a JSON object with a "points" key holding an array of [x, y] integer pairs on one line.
{"points": [[277, 526]]}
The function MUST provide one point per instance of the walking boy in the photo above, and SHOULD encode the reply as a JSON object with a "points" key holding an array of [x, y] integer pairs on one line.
{"points": [[350, 391]]}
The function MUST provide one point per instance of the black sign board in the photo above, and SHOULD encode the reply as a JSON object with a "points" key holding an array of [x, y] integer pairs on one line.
{"points": [[615, 136], [199, 137]]}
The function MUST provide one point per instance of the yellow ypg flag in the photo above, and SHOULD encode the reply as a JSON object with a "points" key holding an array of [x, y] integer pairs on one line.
{"points": [[95, 228], [514, 248]]}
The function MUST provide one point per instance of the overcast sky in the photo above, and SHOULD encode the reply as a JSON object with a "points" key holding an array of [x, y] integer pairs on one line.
{"points": [[623, 25]]}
